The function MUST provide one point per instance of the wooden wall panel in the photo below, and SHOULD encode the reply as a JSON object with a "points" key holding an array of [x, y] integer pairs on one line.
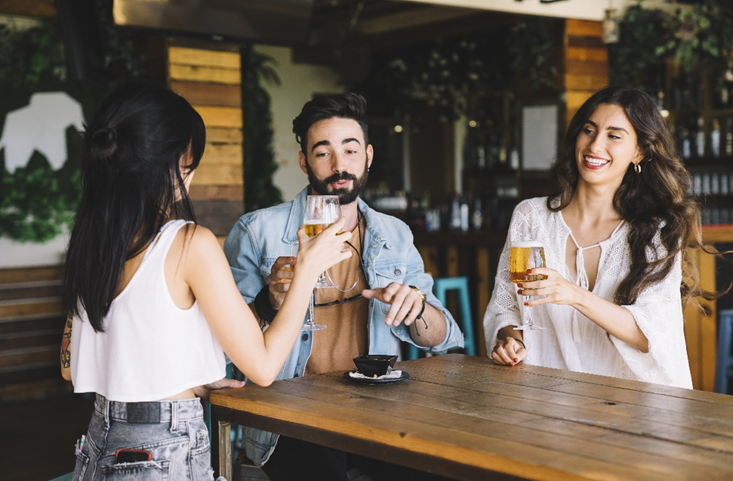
{"points": [[217, 175], [224, 135], [203, 74], [203, 57], [211, 81], [208, 93], [216, 192], [221, 116], [586, 63]]}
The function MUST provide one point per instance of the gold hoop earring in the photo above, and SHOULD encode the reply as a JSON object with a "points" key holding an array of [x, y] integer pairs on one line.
{"points": [[637, 168]]}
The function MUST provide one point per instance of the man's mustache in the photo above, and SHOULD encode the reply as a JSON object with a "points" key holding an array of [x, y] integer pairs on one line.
{"points": [[338, 177]]}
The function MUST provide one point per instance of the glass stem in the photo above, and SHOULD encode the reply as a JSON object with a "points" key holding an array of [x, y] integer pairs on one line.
{"points": [[311, 319]]}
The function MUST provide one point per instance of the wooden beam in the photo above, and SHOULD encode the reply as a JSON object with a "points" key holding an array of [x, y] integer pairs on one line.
{"points": [[411, 35], [29, 8], [414, 18]]}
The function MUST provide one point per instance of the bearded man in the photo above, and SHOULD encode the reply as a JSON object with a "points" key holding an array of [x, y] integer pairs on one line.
{"points": [[382, 295]]}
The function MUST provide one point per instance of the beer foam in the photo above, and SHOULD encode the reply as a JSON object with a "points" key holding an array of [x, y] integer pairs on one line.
{"points": [[530, 243]]}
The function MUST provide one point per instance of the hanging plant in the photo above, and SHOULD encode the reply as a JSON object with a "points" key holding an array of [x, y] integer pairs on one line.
{"points": [[532, 48], [463, 75], [700, 36], [636, 59], [259, 156]]}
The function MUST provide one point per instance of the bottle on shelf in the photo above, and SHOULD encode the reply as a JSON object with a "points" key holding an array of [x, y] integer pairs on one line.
{"points": [[715, 138], [477, 217], [729, 136], [700, 138], [514, 159], [464, 214], [455, 212]]}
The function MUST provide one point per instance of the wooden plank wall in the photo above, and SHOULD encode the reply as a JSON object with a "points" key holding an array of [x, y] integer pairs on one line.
{"points": [[211, 81], [32, 317], [586, 63]]}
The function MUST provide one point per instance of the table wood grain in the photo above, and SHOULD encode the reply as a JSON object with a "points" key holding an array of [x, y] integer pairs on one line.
{"points": [[466, 418]]}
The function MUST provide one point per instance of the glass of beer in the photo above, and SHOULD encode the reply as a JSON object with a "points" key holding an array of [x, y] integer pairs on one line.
{"points": [[320, 212], [526, 255]]}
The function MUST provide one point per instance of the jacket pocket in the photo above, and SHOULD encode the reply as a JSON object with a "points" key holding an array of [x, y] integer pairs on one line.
{"points": [[387, 272]]}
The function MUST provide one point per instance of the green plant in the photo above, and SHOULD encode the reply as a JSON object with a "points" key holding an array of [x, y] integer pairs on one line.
{"points": [[259, 157], [635, 60], [36, 202], [699, 35], [465, 75], [532, 48]]}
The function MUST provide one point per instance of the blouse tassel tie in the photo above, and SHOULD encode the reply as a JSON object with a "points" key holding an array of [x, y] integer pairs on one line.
{"points": [[581, 281]]}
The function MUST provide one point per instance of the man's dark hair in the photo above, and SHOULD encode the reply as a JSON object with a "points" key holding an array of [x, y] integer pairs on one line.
{"points": [[347, 105]]}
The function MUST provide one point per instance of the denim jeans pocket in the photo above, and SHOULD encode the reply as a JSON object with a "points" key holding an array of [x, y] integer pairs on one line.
{"points": [[201, 454], [139, 471], [82, 462], [85, 456]]}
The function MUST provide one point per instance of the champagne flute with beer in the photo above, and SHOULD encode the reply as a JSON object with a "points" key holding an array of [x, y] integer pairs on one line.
{"points": [[526, 255]]}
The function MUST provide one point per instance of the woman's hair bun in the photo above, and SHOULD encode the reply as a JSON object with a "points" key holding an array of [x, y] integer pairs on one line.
{"points": [[104, 142]]}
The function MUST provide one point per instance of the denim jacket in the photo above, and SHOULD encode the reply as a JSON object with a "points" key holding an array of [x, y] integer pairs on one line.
{"points": [[258, 239]]}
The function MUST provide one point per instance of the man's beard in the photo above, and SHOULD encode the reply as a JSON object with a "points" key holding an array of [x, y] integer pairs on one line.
{"points": [[346, 195]]}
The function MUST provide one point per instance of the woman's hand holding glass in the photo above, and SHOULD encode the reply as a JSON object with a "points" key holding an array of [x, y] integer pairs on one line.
{"points": [[554, 289], [316, 254]]}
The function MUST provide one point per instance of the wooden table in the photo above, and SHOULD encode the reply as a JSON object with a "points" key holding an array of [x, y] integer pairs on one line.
{"points": [[466, 418]]}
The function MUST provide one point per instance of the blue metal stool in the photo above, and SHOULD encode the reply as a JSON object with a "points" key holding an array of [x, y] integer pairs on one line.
{"points": [[724, 362], [441, 286]]}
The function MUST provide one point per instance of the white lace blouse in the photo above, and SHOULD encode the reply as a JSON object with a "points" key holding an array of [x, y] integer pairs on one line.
{"points": [[572, 341]]}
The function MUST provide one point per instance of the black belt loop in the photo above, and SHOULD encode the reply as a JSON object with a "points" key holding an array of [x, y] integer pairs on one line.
{"points": [[143, 413]]}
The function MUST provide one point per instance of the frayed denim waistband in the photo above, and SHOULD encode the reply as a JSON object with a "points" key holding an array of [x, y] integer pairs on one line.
{"points": [[149, 412]]}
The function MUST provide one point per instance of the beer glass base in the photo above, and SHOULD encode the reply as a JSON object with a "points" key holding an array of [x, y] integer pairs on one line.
{"points": [[528, 327], [312, 327]]}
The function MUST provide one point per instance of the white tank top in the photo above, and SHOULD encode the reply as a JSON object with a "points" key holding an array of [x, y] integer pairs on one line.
{"points": [[150, 348]]}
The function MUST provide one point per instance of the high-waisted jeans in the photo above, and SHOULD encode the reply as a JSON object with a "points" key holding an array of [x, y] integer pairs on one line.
{"points": [[173, 431]]}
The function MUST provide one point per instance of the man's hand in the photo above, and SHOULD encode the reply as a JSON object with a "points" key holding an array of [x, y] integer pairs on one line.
{"points": [[405, 303], [203, 391], [278, 282]]}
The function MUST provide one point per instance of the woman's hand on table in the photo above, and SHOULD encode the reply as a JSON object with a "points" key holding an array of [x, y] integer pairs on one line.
{"points": [[509, 350], [203, 391], [555, 289]]}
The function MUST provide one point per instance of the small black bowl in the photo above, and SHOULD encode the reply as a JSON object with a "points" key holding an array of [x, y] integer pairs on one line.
{"points": [[374, 364]]}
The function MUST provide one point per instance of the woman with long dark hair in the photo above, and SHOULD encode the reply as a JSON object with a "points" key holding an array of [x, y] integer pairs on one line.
{"points": [[153, 302], [615, 239]]}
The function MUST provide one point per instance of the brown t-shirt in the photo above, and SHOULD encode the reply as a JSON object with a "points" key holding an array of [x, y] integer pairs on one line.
{"points": [[345, 336]]}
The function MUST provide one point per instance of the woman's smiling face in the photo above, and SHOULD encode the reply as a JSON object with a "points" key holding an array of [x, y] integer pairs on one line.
{"points": [[605, 147]]}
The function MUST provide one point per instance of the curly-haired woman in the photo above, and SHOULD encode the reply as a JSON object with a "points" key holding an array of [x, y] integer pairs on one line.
{"points": [[615, 238]]}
